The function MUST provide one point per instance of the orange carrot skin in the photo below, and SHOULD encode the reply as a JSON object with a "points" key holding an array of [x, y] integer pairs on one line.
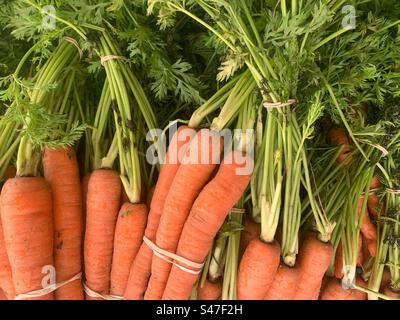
{"points": [[187, 184], [386, 278], [209, 291], [103, 204], [338, 266], [205, 219], [368, 229], [141, 266], [284, 285], [6, 281], [2, 295], [26, 213], [61, 171], [337, 136], [391, 292], [373, 203], [127, 240], [334, 291], [251, 230], [257, 269], [313, 259]]}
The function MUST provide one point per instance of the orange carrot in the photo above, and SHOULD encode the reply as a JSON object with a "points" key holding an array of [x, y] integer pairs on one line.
{"points": [[2, 295], [62, 173], [6, 281], [390, 292], [339, 136], [191, 177], [368, 229], [205, 219], [386, 278], [313, 259], [103, 203], [338, 266], [127, 240], [373, 200], [284, 285], [141, 266], [209, 291], [251, 230], [334, 291], [26, 213], [257, 269]]}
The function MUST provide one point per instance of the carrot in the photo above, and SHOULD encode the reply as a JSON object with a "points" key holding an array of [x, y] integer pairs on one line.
{"points": [[314, 259], [284, 285], [257, 269], [103, 203], [390, 292], [368, 229], [6, 281], [251, 230], [338, 265], [127, 240], [209, 291], [141, 267], [373, 203], [373, 200], [337, 136], [205, 219], [26, 213], [334, 291], [191, 177], [2, 295], [386, 278], [62, 173]]}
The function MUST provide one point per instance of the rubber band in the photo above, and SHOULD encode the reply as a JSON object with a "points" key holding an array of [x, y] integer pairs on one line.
{"points": [[393, 191], [95, 294], [47, 290], [76, 44], [237, 210], [384, 151], [371, 191], [111, 57], [172, 257], [276, 105]]}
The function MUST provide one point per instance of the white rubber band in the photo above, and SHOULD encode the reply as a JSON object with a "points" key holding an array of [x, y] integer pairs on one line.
{"points": [[95, 294], [76, 44], [275, 105], [172, 257], [111, 57], [47, 290]]}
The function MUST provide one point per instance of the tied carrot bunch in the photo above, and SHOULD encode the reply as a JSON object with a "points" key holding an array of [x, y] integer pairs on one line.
{"points": [[201, 150]]}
